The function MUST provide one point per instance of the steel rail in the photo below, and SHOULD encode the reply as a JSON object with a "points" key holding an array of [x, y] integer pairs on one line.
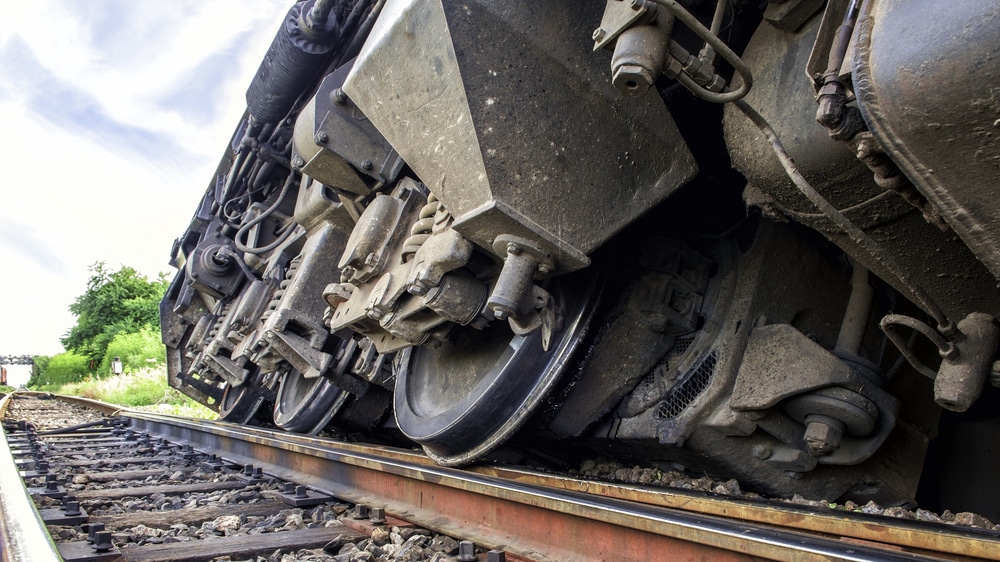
{"points": [[22, 533], [915, 535], [529, 521]]}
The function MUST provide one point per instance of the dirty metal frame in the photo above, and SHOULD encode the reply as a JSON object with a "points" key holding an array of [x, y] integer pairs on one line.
{"points": [[481, 508]]}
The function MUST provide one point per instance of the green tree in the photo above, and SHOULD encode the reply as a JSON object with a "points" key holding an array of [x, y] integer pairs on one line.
{"points": [[137, 350], [115, 302], [38, 365]]}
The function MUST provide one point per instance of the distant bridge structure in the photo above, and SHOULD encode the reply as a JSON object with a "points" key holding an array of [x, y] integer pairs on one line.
{"points": [[16, 359]]}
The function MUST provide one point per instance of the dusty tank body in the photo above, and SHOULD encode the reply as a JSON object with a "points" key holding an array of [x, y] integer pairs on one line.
{"points": [[757, 239]]}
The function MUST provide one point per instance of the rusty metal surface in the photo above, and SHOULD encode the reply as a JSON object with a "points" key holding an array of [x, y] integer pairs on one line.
{"points": [[847, 525], [23, 535], [529, 520]]}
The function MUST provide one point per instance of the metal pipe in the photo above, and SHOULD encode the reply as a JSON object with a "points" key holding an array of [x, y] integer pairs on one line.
{"points": [[859, 306]]}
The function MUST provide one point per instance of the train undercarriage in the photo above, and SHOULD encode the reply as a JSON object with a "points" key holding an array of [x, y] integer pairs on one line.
{"points": [[751, 238]]}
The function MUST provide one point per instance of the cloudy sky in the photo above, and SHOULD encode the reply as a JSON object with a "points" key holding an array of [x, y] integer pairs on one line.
{"points": [[113, 116]]}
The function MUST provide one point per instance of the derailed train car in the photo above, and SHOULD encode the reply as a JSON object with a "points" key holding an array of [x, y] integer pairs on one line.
{"points": [[753, 238]]}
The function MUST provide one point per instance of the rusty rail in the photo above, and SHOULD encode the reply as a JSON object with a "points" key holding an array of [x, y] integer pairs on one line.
{"points": [[532, 516], [529, 520]]}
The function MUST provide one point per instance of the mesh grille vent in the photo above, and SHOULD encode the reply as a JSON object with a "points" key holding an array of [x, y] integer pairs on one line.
{"points": [[684, 393]]}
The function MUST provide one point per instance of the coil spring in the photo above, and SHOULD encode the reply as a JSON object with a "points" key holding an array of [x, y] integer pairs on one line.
{"points": [[217, 327], [421, 230], [293, 268]]}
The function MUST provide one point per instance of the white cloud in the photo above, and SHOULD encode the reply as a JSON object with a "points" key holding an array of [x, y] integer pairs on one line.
{"points": [[117, 177]]}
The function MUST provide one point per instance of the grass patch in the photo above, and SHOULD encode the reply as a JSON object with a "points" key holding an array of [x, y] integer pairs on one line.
{"points": [[145, 390]]}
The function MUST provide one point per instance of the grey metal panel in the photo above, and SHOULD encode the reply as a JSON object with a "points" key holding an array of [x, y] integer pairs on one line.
{"points": [[515, 124], [926, 75]]}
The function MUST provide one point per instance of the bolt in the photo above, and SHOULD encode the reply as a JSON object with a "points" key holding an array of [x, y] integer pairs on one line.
{"points": [[42, 467], [248, 469], [466, 551], [496, 556], [298, 162], [500, 313], [367, 164], [72, 508], [418, 288], [258, 472], [513, 249], [102, 541], [289, 487], [361, 511], [93, 529], [371, 259], [322, 137], [378, 516], [65, 501], [761, 452], [599, 34], [544, 268], [301, 492], [995, 374], [637, 5], [632, 80], [338, 97], [822, 436]]}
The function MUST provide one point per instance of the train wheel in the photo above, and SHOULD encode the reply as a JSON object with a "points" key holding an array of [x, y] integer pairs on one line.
{"points": [[465, 398], [240, 403], [306, 405]]}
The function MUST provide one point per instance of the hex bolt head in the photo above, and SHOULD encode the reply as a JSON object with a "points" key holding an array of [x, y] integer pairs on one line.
{"points": [[93, 529], [367, 165], [301, 492], [496, 556], [361, 511], [466, 551], [632, 80], [338, 97], [248, 469], [289, 487], [378, 516], [598, 34], [102, 541], [822, 438], [66, 501], [72, 508], [322, 137], [42, 467], [258, 472]]}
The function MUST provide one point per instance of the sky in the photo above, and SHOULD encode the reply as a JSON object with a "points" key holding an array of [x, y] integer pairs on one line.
{"points": [[113, 117]]}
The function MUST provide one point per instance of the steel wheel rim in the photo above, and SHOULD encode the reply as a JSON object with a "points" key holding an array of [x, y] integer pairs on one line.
{"points": [[239, 404], [306, 405], [458, 424]]}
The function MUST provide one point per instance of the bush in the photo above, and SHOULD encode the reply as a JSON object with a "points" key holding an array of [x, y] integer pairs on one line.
{"points": [[145, 389], [64, 368], [137, 350]]}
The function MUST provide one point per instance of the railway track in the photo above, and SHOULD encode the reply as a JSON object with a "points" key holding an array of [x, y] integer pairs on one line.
{"points": [[507, 513]]}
